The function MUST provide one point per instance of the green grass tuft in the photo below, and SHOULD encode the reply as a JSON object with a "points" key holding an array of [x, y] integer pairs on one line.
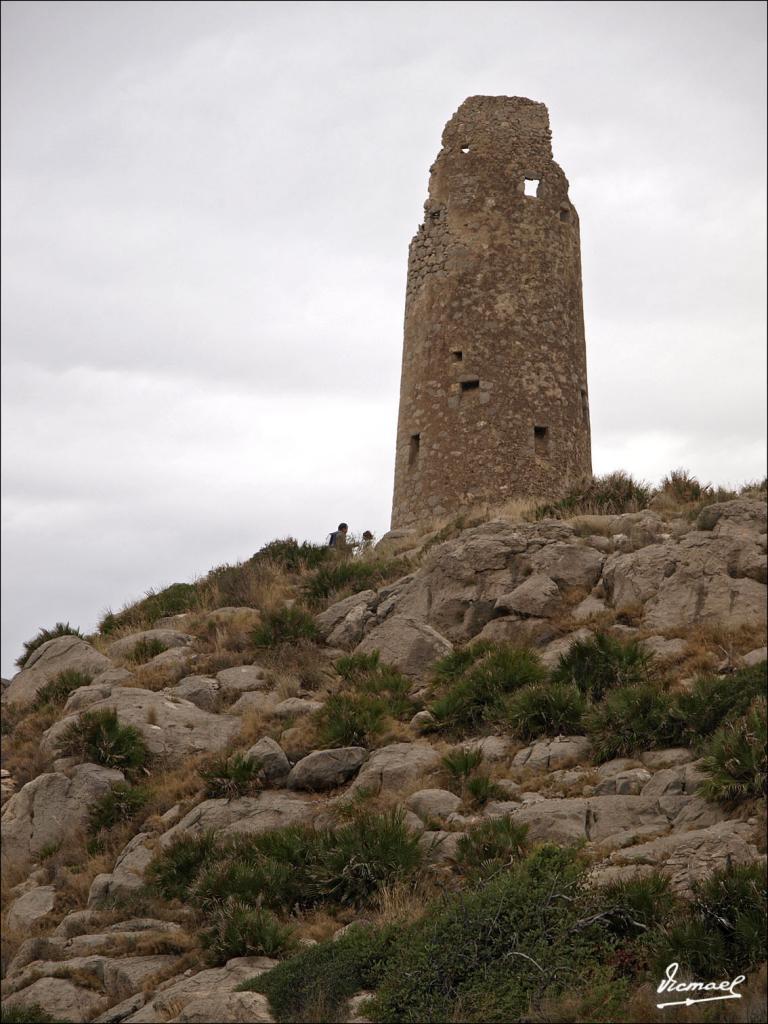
{"points": [[43, 636], [100, 737]]}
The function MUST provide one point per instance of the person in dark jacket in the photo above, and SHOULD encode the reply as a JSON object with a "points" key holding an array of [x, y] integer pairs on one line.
{"points": [[338, 539]]}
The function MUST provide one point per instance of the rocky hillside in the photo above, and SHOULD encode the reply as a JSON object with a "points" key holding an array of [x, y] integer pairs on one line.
{"points": [[504, 772]]}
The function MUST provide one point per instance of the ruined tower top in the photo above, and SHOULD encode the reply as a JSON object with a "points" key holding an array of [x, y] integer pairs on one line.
{"points": [[493, 399]]}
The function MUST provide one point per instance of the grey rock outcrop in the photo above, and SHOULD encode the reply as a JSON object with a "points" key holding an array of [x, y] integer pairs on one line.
{"points": [[326, 769], [51, 658]]}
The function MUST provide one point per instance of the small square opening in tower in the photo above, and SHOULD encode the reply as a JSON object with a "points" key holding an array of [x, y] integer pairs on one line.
{"points": [[471, 384], [565, 215], [413, 451], [465, 148], [457, 355], [540, 440], [532, 186]]}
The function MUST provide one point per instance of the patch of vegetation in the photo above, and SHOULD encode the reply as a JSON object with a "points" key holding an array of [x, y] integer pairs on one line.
{"points": [[546, 709], [173, 600], [682, 487], [230, 777], [292, 556], [100, 737], [316, 985], [120, 804], [284, 626], [480, 789], [351, 576], [630, 719], [358, 716], [454, 665], [735, 759], [722, 932], [478, 694], [145, 649], [601, 663], [490, 848], [238, 929], [461, 762], [612, 494], [55, 692], [30, 1013], [43, 636], [715, 700], [291, 867], [351, 720], [172, 873]]}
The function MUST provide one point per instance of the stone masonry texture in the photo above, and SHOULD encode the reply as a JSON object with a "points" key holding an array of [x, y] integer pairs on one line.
{"points": [[493, 399]]}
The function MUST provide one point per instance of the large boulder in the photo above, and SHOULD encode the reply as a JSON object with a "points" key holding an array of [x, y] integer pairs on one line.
{"points": [[51, 658], [202, 691], [30, 907], [343, 623], [226, 1008], [396, 766], [569, 565], [549, 755], [59, 997], [574, 819], [275, 766], [169, 725], [242, 679], [407, 644], [538, 596], [51, 809], [326, 769], [251, 814], [433, 803], [127, 876], [125, 646], [738, 517]]}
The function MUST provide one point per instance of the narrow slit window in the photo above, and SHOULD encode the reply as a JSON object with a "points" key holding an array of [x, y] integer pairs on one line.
{"points": [[470, 385], [457, 355], [540, 440], [584, 405], [413, 452], [565, 215], [532, 186]]}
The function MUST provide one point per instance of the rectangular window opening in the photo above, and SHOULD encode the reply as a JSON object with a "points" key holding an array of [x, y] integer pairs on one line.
{"points": [[413, 451], [565, 214], [584, 405], [470, 385], [540, 440], [457, 355], [532, 186]]}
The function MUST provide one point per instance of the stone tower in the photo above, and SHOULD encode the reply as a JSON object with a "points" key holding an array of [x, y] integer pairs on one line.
{"points": [[493, 394]]}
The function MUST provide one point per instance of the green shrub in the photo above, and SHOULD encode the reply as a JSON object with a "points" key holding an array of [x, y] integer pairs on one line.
{"points": [[284, 626], [290, 867], [145, 649], [611, 494], [715, 700], [240, 930], [231, 776], [630, 719], [30, 1013], [478, 694], [546, 709], [292, 556], [59, 688], [682, 486], [98, 736], [735, 759], [601, 663], [355, 861], [638, 904], [487, 954], [491, 847], [172, 600], [353, 576], [43, 636], [354, 667], [173, 871], [462, 761], [480, 789], [316, 984], [454, 665], [724, 931], [121, 803], [350, 720]]}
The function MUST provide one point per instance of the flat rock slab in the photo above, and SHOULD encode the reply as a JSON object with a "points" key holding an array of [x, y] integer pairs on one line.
{"points": [[242, 679], [548, 755], [433, 803], [30, 907], [407, 644], [124, 647], [229, 1008], [251, 814], [61, 998]]}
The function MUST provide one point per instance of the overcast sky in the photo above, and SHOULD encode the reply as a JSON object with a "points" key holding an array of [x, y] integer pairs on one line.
{"points": [[206, 215]]}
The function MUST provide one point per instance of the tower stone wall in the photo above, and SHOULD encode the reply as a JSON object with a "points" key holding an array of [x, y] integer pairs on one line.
{"points": [[493, 399]]}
